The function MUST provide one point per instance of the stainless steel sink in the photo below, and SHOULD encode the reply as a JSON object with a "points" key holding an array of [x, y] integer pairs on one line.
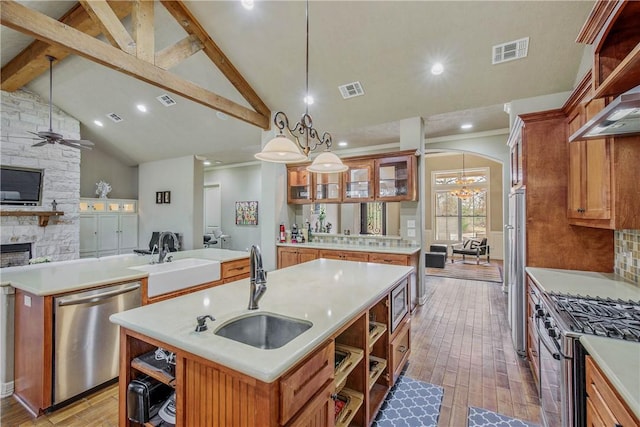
{"points": [[263, 330]]}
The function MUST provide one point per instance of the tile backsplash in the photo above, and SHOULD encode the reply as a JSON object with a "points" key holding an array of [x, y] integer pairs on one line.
{"points": [[627, 259]]}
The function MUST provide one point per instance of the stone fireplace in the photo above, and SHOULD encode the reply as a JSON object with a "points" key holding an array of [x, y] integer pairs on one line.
{"points": [[59, 240], [15, 255]]}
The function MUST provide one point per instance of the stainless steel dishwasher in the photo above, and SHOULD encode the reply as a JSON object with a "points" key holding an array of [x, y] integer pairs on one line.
{"points": [[86, 343]]}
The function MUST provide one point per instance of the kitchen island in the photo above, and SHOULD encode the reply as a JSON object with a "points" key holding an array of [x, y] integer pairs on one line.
{"points": [[288, 385]]}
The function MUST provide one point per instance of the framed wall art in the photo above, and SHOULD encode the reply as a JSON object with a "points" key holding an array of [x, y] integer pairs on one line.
{"points": [[166, 198], [159, 198], [247, 213]]}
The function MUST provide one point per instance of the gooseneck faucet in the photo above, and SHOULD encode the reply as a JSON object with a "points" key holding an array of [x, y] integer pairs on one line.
{"points": [[164, 246], [257, 276]]}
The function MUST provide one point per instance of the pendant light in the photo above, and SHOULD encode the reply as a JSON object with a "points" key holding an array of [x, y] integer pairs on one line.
{"points": [[283, 150]]}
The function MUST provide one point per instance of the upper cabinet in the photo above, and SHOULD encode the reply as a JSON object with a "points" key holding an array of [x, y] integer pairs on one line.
{"points": [[358, 181], [395, 178], [612, 28], [603, 173], [390, 177], [299, 184]]}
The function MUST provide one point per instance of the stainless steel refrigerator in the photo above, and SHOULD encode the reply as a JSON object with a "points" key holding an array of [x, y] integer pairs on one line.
{"points": [[516, 284]]}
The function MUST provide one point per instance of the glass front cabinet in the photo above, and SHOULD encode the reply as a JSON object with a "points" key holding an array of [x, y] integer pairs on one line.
{"points": [[358, 181], [395, 178], [299, 180], [328, 187]]}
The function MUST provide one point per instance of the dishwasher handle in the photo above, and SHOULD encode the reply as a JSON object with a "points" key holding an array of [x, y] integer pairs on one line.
{"points": [[62, 302]]}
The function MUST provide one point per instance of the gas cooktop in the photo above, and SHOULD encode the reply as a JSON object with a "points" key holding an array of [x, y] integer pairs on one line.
{"points": [[600, 316]]}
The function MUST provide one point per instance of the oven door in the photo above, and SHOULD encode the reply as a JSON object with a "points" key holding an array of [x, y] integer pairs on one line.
{"points": [[556, 387], [399, 304]]}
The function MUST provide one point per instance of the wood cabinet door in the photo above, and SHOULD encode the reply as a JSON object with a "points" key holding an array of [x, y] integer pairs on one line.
{"points": [[327, 187], [305, 255], [329, 254], [355, 256], [394, 178], [589, 191], [287, 257], [299, 185], [358, 181], [392, 259]]}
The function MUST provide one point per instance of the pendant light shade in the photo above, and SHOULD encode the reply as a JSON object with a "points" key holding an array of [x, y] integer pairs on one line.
{"points": [[281, 150], [327, 162]]}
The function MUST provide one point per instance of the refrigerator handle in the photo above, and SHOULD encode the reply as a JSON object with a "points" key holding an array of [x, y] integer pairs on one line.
{"points": [[509, 227]]}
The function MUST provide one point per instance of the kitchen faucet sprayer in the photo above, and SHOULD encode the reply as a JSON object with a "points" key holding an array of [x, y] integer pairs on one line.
{"points": [[257, 276], [164, 246]]}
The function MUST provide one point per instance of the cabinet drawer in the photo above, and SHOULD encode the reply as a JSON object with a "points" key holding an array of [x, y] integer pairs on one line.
{"points": [[318, 412], [300, 385], [235, 268], [400, 349], [609, 407], [393, 259]]}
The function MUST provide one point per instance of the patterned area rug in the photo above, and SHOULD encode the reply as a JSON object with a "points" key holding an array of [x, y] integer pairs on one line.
{"points": [[460, 270], [410, 403], [479, 417]]}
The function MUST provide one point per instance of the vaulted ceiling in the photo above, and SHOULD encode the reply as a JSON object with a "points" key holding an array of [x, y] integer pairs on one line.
{"points": [[388, 46]]}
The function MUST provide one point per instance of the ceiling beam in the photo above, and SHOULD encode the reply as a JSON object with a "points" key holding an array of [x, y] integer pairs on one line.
{"points": [[191, 25], [142, 28], [42, 27], [32, 61], [172, 55], [106, 19]]}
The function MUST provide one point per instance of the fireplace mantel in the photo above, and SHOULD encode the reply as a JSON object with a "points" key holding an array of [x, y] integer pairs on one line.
{"points": [[43, 216]]}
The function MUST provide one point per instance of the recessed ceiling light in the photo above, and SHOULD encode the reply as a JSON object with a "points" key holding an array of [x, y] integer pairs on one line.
{"points": [[221, 115], [466, 126], [308, 99], [206, 163], [342, 143], [437, 69], [98, 123], [218, 162], [247, 4], [142, 108]]}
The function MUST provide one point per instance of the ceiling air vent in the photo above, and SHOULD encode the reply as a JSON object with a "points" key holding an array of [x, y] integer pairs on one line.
{"points": [[116, 118], [351, 89], [166, 100], [509, 51]]}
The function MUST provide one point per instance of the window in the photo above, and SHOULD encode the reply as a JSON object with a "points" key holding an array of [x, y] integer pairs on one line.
{"points": [[373, 218], [455, 218]]}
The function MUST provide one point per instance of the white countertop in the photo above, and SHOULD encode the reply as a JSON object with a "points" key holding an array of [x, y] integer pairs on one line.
{"points": [[401, 250], [327, 293], [619, 359], [584, 283], [67, 276], [620, 362]]}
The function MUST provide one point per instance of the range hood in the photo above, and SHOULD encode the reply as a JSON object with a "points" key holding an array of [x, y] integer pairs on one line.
{"points": [[620, 118]]}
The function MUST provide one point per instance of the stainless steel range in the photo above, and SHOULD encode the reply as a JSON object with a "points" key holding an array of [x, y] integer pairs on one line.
{"points": [[560, 320]]}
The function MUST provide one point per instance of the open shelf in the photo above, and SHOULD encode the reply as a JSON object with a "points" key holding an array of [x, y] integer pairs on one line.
{"points": [[376, 370], [43, 216], [354, 401], [139, 364], [376, 397], [376, 330], [352, 356]]}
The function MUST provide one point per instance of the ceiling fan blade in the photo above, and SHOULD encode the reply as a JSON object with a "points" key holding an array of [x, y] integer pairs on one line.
{"points": [[73, 144], [34, 133], [80, 142], [40, 144]]}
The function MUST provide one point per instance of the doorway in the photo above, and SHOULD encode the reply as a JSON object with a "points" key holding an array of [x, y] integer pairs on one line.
{"points": [[212, 208]]}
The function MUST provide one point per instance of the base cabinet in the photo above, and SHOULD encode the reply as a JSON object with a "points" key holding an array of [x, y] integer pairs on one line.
{"points": [[288, 256], [105, 234], [604, 406]]}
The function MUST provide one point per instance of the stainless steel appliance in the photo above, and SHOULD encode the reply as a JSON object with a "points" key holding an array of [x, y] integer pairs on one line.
{"points": [[86, 343], [560, 320], [399, 303], [516, 276]]}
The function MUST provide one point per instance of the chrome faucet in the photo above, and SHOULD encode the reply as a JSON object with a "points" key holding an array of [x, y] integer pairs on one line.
{"points": [[257, 276], [164, 246], [153, 249]]}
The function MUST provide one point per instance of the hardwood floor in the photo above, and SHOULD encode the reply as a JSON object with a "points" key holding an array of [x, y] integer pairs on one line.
{"points": [[460, 340]]}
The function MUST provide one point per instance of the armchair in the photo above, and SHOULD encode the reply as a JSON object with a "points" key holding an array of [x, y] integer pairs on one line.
{"points": [[472, 247]]}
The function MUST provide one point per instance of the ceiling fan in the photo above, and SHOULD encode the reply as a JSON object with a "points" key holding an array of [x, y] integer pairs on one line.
{"points": [[49, 136]]}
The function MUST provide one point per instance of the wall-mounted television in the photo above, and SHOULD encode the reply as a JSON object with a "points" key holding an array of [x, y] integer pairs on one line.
{"points": [[20, 186]]}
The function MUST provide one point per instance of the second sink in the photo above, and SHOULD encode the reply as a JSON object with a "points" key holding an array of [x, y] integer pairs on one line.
{"points": [[264, 330]]}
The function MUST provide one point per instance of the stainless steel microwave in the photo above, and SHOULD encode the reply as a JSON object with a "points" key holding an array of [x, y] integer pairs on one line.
{"points": [[399, 303]]}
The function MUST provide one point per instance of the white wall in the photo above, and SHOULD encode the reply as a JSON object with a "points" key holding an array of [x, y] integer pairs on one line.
{"points": [[183, 177], [99, 166], [238, 184]]}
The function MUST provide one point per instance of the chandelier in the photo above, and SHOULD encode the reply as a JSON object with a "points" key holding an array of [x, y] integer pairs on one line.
{"points": [[283, 150], [464, 192]]}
